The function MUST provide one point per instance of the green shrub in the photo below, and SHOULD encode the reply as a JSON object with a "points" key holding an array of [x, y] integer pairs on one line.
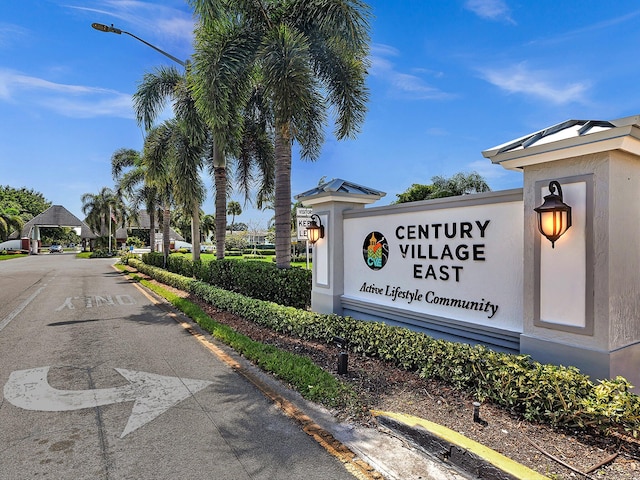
{"points": [[265, 252], [155, 259], [126, 256], [256, 279], [102, 253]]}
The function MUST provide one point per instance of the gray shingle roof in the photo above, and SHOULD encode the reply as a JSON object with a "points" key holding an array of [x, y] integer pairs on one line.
{"points": [[143, 222], [56, 216]]}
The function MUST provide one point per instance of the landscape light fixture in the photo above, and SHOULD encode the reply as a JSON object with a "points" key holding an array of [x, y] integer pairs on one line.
{"points": [[315, 231], [111, 29], [554, 216]]}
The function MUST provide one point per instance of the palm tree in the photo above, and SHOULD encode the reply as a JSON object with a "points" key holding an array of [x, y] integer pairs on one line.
{"points": [[306, 55], [207, 226], [253, 150], [10, 221], [103, 208], [189, 190], [233, 209], [130, 174], [152, 94]]}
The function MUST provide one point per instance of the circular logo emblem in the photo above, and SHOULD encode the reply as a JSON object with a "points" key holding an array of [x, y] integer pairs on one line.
{"points": [[375, 250]]}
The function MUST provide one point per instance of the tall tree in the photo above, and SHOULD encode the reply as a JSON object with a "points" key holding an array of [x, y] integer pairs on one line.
{"points": [[458, 184], [10, 220], [130, 174], [415, 193], [102, 209], [233, 209], [251, 150], [306, 55], [155, 89], [28, 203]]}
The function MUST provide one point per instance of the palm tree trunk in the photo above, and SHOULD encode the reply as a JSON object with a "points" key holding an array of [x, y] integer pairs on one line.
{"points": [[283, 198], [220, 181], [152, 227], [195, 233], [166, 241]]}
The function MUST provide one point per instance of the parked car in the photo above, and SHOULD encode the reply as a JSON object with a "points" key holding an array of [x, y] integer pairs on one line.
{"points": [[55, 249]]}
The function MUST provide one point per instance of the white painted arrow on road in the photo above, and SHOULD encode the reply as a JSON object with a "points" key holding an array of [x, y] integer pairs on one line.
{"points": [[153, 394]]}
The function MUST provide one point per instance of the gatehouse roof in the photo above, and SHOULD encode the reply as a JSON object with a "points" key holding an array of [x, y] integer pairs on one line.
{"points": [[56, 216]]}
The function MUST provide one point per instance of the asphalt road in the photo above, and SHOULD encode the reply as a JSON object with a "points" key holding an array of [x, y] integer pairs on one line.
{"points": [[100, 383]]}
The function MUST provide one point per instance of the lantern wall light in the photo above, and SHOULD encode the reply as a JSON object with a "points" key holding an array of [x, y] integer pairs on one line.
{"points": [[554, 216], [315, 230]]}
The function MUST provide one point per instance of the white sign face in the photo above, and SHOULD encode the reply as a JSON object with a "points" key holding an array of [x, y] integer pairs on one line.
{"points": [[152, 394], [461, 263], [303, 220]]}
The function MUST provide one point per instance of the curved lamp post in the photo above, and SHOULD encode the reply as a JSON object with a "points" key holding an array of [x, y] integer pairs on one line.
{"points": [[105, 28]]}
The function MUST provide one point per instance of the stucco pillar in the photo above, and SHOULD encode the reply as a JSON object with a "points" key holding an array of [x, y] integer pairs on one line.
{"points": [[582, 298], [329, 201], [34, 236]]}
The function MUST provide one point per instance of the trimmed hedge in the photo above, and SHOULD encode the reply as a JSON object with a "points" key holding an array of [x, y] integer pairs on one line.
{"points": [[261, 280], [557, 395]]}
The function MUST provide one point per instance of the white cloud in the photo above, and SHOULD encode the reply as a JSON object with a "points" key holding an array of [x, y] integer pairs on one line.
{"points": [[588, 32], [11, 34], [402, 84], [536, 83], [68, 100], [152, 19], [486, 169], [437, 132], [490, 9]]}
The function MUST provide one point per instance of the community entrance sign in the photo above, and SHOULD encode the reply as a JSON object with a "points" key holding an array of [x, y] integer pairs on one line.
{"points": [[475, 269]]}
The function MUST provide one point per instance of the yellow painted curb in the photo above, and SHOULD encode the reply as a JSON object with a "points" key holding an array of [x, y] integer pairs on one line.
{"points": [[496, 459]]}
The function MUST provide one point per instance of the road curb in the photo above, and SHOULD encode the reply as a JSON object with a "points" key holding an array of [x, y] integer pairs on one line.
{"points": [[454, 448]]}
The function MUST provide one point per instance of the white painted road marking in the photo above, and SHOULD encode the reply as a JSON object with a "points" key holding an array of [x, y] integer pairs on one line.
{"points": [[5, 321], [98, 301], [153, 394]]}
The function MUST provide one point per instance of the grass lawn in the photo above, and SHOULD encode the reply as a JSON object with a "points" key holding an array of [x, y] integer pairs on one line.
{"points": [[12, 256]]}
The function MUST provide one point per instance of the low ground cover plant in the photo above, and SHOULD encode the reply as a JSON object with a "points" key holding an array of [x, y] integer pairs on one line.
{"points": [[556, 395]]}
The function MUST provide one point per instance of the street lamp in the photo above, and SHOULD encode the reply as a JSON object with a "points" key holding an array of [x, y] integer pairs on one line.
{"points": [[111, 29], [105, 28]]}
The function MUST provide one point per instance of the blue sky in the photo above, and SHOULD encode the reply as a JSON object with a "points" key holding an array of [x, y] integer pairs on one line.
{"points": [[448, 79]]}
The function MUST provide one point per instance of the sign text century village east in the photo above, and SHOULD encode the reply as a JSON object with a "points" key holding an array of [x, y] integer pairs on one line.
{"points": [[429, 251], [419, 249]]}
